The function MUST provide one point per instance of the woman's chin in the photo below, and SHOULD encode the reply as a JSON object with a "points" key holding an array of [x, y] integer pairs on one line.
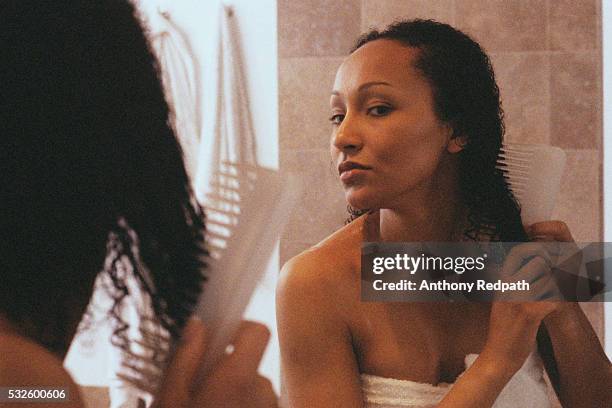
{"points": [[361, 199]]}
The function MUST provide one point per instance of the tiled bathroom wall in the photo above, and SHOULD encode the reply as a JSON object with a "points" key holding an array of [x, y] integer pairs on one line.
{"points": [[547, 57]]}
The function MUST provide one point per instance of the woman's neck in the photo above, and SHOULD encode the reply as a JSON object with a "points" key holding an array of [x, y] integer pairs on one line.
{"points": [[435, 216]]}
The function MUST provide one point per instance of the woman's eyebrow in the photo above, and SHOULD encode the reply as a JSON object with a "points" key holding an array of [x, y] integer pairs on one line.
{"points": [[365, 86]]}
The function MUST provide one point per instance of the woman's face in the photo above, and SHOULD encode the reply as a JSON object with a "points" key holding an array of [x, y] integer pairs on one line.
{"points": [[387, 141]]}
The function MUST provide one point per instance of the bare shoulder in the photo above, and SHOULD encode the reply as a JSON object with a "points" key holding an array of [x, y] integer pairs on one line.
{"points": [[24, 363], [330, 266], [316, 296]]}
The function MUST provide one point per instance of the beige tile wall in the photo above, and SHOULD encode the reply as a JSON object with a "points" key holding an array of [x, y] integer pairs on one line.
{"points": [[547, 56]]}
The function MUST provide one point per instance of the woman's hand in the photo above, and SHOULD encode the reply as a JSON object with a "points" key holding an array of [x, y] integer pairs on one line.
{"points": [[549, 231], [234, 382], [569, 261], [515, 319]]}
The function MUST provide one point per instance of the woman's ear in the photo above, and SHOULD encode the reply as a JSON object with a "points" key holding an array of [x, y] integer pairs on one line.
{"points": [[456, 140], [456, 144]]}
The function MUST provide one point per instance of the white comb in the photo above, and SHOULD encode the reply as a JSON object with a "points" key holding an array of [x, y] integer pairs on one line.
{"points": [[246, 211], [533, 173]]}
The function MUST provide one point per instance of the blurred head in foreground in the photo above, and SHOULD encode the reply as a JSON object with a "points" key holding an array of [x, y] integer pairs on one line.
{"points": [[90, 170]]}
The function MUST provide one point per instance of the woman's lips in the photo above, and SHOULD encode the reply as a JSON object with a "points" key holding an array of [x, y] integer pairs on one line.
{"points": [[350, 176], [351, 171]]}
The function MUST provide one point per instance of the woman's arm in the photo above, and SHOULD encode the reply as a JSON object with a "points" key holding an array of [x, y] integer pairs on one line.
{"points": [[513, 327], [318, 364], [584, 371], [512, 334], [480, 385]]}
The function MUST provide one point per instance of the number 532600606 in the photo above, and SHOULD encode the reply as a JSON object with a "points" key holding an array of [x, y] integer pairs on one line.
{"points": [[33, 394]]}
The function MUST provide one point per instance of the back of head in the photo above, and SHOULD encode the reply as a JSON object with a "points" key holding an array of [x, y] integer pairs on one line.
{"points": [[85, 143], [467, 98]]}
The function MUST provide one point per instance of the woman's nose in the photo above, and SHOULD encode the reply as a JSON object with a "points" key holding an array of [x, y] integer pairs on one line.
{"points": [[347, 138]]}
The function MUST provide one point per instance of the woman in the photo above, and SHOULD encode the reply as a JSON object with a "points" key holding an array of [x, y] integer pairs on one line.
{"points": [[417, 126], [92, 180]]}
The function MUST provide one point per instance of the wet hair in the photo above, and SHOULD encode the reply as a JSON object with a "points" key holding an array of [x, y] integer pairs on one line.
{"points": [[90, 168], [466, 97]]}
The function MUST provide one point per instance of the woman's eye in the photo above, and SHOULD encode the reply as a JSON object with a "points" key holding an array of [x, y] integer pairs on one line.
{"points": [[336, 119], [380, 110]]}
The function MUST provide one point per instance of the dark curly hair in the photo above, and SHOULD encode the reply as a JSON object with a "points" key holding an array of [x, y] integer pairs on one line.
{"points": [[87, 153], [466, 96]]}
